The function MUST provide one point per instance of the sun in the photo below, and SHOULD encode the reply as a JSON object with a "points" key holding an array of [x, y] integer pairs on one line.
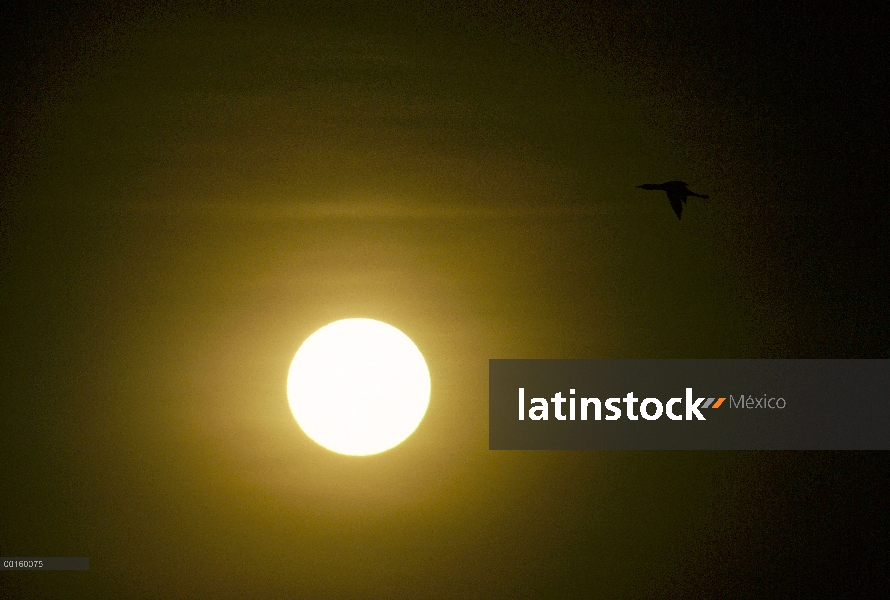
{"points": [[358, 386]]}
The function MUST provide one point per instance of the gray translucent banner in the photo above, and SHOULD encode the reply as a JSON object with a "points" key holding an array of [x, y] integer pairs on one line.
{"points": [[689, 404], [43, 563]]}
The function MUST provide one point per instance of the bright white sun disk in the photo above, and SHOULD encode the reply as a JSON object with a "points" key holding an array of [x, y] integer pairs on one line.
{"points": [[358, 386]]}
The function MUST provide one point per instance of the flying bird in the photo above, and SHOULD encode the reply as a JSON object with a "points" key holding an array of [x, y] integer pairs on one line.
{"points": [[676, 191]]}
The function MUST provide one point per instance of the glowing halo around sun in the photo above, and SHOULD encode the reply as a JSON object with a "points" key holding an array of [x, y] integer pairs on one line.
{"points": [[358, 386]]}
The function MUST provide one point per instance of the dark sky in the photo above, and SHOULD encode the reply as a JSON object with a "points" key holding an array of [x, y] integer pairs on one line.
{"points": [[189, 192]]}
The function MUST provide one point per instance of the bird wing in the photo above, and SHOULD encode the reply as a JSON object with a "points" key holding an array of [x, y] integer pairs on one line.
{"points": [[677, 198]]}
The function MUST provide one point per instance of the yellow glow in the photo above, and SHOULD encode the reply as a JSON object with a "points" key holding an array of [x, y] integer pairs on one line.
{"points": [[358, 386]]}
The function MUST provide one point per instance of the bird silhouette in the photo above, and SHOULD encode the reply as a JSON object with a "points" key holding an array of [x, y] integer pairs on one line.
{"points": [[676, 191]]}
